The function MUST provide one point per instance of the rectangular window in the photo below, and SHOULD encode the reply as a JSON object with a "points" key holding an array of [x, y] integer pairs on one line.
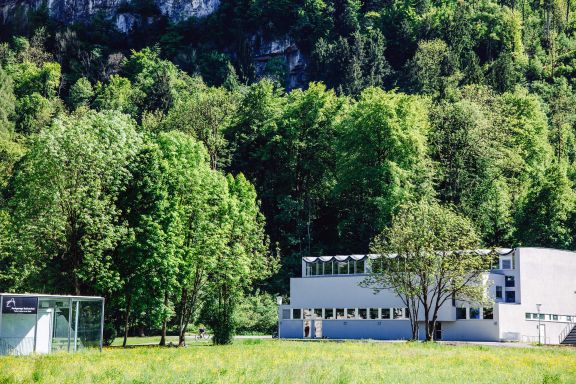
{"points": [[528, 315], [328, 268], [542, 316], [460, 313], [506, 264], [554, 317], [498, 291], [406, 313], [373, 313], [318, 313], [307, 314], [363, 313], [398, 313], [286, 314], [475, 313], [509, 281], [488, 313], [360, 266], [385, 313], [340, 313], [329, 313], [569, 318], [308, 269], [296, 313], [510, 296], [351, 313], [313, 269], [342, 267]]}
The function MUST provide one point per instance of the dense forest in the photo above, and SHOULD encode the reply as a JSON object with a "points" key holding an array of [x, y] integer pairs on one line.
{"points": [[159, 169]]}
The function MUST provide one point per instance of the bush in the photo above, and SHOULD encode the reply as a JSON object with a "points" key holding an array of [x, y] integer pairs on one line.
{"points": [[257, 314], [109, 334]]}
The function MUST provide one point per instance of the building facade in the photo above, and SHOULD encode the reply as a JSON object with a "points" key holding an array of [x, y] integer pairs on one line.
{"points": [[533, 292]]}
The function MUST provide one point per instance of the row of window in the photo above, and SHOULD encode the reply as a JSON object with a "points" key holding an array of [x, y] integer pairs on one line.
{"points": [[351, 267], [549, 317], [346, 313], [348, 267], [474, 313]]}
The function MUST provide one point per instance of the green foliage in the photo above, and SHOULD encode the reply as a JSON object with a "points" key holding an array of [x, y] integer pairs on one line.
{"points": [[257, 313], [352, 64], [82, 93], [382, 160], [116, 95], [63, 212], [481, 118], [33, 112], [414, 261], [7, 102]]}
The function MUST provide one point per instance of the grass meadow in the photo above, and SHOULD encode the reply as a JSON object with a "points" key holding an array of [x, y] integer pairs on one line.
{"points": [[273, 361]]}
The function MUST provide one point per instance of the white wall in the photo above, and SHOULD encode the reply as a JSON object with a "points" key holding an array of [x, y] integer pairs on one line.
{"points": [[547, 277]]}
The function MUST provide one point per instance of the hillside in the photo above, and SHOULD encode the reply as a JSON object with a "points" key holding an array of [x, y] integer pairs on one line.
{"points": [[141, 139]]}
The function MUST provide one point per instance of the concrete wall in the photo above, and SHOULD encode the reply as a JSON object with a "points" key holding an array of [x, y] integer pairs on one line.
{"points": [[547, 277], [471, 330], [351, 329]]}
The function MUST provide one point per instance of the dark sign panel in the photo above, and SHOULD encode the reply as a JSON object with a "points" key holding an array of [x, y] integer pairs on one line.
{"points": [[19, 304]]}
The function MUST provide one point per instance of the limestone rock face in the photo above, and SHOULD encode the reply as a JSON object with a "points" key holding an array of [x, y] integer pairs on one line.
{"points": [[264, 49], [69, 11]]}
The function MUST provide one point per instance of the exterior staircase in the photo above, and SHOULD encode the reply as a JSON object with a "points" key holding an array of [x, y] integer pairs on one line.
{"points": [[568, 336]]}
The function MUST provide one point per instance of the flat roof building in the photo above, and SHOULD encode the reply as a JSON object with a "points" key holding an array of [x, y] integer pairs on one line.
{"points": [[533, 292], [32, 323]]}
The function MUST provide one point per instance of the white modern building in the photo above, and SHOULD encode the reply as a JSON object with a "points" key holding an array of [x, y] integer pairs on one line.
{"points": [[33, 323], [533, 292]]}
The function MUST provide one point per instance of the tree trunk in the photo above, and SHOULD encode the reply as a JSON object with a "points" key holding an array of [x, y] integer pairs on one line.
{"points": [[164, 322], [181, 327], [126, 320]]}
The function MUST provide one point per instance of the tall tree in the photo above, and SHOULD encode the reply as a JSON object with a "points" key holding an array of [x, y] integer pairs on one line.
{"points": [[63, 198], [427, 257], [382, 162]]}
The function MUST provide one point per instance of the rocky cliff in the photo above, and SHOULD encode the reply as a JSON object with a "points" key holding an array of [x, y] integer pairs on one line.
{"points": [[122, 14], [69, 11]]}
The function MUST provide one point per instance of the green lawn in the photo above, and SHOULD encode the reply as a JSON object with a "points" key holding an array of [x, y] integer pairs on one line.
{"points": [[154, 340], [272, 361]]}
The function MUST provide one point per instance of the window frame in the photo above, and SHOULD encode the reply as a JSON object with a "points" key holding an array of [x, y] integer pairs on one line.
{"points": [[460, 309]]}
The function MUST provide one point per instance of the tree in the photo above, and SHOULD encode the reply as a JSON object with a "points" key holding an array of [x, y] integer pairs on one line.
{"points": [[33, 113], [428, 257], [63, 198], [547, 215], [205, 115], [382, 162], [434, 70], [7, 102], [352, 64], [243, 259], [148, 258], [117, 94], [81, 93]]}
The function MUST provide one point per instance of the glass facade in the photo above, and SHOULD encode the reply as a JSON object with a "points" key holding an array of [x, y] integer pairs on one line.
{"points": [[329, 268]]}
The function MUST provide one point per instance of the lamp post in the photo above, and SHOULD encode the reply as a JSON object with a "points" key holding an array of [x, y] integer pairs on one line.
{"points": [[279, 302], [539, 322]]}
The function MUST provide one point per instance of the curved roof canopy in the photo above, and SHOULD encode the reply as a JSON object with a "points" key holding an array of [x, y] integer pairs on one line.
{"points": [[313, 259]]}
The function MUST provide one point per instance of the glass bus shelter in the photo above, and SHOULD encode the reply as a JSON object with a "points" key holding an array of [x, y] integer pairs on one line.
{"points": [[32, 323]]}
